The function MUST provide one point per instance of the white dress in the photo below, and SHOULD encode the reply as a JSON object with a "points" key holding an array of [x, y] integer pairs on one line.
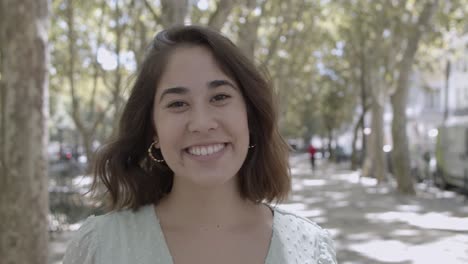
{"points": [[136, 237]]}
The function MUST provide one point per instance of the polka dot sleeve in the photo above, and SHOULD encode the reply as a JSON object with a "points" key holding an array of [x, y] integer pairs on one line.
{"points": [[327, 249], [82, 248]]}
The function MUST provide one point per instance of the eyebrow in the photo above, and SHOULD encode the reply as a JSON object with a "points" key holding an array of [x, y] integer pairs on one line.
{"points": [[184, 90]]}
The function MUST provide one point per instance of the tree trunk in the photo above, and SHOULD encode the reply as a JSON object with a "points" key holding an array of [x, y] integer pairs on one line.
{"points": [[368, 166], [400, 155], [248, 33], [221, 14], [140, 35], [361, 78], [88, 144], [377, 154], [446, 89], [174, 12], [23, 187], [119, 29], [87, 126], [355, 162], [329, 144], [399, 98]]}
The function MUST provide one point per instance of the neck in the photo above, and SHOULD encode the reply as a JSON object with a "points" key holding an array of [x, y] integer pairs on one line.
{"points": [[189, 206]]}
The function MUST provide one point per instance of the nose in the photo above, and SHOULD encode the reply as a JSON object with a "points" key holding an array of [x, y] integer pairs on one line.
{"points": [[202, 119]]}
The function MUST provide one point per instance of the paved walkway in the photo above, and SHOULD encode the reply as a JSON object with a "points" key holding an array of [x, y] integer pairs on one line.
{"points": [[370, 223]]}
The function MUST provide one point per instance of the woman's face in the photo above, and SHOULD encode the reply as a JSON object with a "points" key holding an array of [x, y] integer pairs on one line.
{"points": [[200, 119]]}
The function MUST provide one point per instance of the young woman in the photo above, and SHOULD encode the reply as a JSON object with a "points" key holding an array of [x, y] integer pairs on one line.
{"points": [[195, 166]]}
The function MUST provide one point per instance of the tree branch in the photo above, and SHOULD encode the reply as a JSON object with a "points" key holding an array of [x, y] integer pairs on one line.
{"points": [[71, 67], [101, 116], [96, 64], [413, 43], [153, 13], [220, 15], [274, 44]]}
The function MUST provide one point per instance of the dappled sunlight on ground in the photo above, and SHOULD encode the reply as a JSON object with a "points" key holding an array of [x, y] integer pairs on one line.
{"points": [[371, 223], [304, 212], [300, 185], [409, 208], [431, 191], [396, 251], [427, 220]]}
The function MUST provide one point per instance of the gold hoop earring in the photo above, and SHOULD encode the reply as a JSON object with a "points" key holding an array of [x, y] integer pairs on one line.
{"points": [[252, 146], [150, 153]]}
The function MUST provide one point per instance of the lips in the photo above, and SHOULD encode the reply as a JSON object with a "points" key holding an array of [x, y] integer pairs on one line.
{"points": [[206, 150]]}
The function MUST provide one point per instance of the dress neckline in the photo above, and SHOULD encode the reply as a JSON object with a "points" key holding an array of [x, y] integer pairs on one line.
{"points": [[153, 216]]}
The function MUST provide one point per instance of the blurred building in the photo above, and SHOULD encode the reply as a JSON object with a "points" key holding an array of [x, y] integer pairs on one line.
{"points": [[432, 98]]}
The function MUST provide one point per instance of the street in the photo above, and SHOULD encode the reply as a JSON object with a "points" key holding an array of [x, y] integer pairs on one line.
{"points": [[370, 223]]}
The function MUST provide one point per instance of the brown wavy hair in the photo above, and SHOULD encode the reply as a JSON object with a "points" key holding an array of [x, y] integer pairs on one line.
{"points": [[131, 179]]}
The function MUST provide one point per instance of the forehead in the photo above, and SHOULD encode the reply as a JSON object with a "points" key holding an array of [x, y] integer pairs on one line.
{"points": [[190, 66]]}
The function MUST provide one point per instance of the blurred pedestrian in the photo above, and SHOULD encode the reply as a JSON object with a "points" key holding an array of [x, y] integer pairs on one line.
{"points": [[197, 162], [312, 152]]}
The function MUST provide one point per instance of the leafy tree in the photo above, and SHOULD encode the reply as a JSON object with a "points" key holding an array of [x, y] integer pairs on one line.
{"points": [[353, 55], [399, 96]]}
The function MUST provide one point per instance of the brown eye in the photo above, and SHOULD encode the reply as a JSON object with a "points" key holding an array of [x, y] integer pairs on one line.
{"points": [[177, 104], [220, 97]]}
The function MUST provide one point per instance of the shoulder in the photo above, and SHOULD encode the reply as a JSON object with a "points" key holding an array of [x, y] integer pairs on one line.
{"points": [[305, 235], [83, 246], [108, 228], [124, 217], [293, 223]]}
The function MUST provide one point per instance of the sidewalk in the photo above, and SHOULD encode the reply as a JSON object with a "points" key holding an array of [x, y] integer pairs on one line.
{"points": [[373, 224]]}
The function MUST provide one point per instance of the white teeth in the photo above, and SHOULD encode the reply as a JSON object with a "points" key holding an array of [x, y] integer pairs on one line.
{"points": [[205, 150]]}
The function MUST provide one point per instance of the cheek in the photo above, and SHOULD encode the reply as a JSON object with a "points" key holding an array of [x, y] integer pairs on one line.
{"points": [[245, 118], [168, 130], [241, 125]]}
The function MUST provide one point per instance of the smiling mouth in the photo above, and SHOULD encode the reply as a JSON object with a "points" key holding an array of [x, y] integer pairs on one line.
{"points": [[206, 150]]}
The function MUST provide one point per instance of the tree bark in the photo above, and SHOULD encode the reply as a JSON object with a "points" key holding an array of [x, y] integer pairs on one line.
{"points": [[368, 166], [364, 105], [80, 123], [156, 17], [119, 29], [378, 156], [138, 43], [399, 100], [174, 12], [248, 33], [329, 144], [23, 166], [377, 107], [355, 162], [221, 14]]}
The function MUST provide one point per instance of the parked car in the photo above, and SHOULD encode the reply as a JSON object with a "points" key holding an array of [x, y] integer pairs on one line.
{"points": [[452, 153]]}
